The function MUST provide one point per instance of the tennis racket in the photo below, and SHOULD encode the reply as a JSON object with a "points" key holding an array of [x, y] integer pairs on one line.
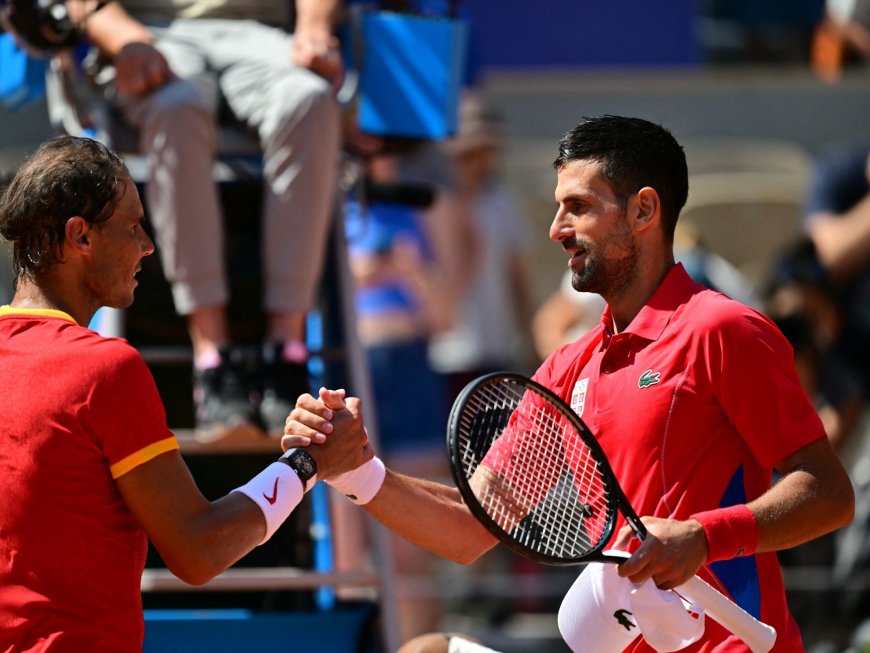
{"points": [[531, 471]]}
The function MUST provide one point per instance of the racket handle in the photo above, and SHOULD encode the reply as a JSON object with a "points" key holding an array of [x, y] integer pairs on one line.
{"points": [[757, 635]]}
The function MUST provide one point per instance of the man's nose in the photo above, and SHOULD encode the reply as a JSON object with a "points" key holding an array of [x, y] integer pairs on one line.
{"points": [[146, 244], [561, 227]]}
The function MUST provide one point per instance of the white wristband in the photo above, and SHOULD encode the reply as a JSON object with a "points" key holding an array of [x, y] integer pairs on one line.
{"points": [[277, 490], [360, 485]]}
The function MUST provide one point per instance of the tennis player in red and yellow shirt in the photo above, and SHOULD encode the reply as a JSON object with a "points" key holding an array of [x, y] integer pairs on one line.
{"points": [[88, 467]]}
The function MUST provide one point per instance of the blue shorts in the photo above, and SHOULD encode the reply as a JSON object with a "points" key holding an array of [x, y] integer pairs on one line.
{"points": [[409, 398]]}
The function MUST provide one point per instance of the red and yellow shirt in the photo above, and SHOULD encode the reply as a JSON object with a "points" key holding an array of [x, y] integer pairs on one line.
{"points": [[78, 411]]}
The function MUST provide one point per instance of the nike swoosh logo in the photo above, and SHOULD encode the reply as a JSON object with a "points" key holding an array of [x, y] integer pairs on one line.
{"points": [[272, 499]]}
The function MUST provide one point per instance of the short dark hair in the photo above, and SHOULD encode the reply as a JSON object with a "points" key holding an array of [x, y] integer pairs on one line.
{"points": [[67, 176], [632, 153]]}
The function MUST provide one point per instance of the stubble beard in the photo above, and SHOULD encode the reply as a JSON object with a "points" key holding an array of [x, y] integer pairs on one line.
{"points": [[606, 276]]}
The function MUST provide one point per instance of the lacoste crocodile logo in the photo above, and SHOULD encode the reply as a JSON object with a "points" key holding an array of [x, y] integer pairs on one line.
{"points": [[622, 619], [272, 499], [649, 378]]}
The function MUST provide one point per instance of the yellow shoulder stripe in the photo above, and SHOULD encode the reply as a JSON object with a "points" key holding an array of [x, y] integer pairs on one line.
{"points": [[43, 312], [143, 456]]}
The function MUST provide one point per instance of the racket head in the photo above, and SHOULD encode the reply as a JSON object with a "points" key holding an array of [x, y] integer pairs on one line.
{"points": [[569, 521]]}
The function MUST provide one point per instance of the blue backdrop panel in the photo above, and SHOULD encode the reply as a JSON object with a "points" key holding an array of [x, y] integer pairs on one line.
{"points": [[576, 33], [411, 75], [346, 629]]}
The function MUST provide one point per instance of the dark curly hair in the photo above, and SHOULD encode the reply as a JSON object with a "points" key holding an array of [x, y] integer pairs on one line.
{"points": [[67, 176], [632, 153]]}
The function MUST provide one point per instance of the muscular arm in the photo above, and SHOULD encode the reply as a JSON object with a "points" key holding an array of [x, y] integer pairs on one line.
{"points": [[432, 516], [814, 497], [196, 538], [199, 539]]}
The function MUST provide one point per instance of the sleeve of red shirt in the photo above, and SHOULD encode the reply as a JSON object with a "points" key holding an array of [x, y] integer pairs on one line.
{"points": [[126, 413], [752, 371]]}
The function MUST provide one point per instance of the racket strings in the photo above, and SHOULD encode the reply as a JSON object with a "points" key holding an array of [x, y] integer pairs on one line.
{"points": [[574, 508], [549, 495]]}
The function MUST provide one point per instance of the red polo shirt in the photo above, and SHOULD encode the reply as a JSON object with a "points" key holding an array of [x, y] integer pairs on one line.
{"points": [[693, 403], [78, 411]]}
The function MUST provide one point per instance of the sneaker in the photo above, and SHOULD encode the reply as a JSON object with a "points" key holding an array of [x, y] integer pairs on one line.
{"points": [[282, 382], [221, 394]]}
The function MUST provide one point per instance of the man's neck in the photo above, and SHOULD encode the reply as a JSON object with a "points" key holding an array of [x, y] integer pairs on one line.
{"points": [[31, 295], [626, 307]]}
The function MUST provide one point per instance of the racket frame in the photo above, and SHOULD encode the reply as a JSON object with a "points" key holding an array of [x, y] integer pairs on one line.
{"points": [[617, 504]]}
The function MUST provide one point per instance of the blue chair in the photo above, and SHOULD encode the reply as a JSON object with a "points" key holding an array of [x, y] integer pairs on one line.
{"points": [[22, 77]]}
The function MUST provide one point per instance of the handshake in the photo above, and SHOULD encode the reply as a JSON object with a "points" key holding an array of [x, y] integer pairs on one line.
{"points": [[331, 429]]}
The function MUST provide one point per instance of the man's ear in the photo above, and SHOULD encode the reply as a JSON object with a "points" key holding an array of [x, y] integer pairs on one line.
{"points": [[78, 233], [648, 208]]}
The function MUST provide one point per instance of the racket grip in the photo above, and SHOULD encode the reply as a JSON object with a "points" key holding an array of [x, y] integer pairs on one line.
{"points": [[757, 635]]}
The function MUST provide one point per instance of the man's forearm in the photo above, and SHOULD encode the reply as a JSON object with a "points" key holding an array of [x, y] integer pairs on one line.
{"points": [[814, 497], [316, 15], [111, 28], [432, 516]]}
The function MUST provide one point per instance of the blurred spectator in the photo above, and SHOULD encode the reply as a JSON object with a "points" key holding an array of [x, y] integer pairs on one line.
{"points": [[564, 316], [404, 252], [837, 219], [800, 299], [169, 67], [842, 38], [405, 291], [491, 330], [801, 302]]}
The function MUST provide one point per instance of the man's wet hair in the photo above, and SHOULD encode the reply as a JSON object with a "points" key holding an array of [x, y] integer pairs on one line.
{"points": [[67, 176]]}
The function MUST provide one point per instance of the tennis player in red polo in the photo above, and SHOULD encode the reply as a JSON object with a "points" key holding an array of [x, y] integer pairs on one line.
{"points": [[694, 398]]}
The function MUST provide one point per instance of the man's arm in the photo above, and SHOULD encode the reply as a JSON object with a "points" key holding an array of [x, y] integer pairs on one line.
{"points": [[199, 539], [843, 241], [314, 44], [813, 497], [432, 516], [429, 514], [139, 66]]}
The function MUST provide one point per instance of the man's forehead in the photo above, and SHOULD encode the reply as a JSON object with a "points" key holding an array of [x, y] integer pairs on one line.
{"points": [[580, 174], [128, 202]]}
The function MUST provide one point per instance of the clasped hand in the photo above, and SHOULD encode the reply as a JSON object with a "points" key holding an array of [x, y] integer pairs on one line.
{"points": [[332, 425]]}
